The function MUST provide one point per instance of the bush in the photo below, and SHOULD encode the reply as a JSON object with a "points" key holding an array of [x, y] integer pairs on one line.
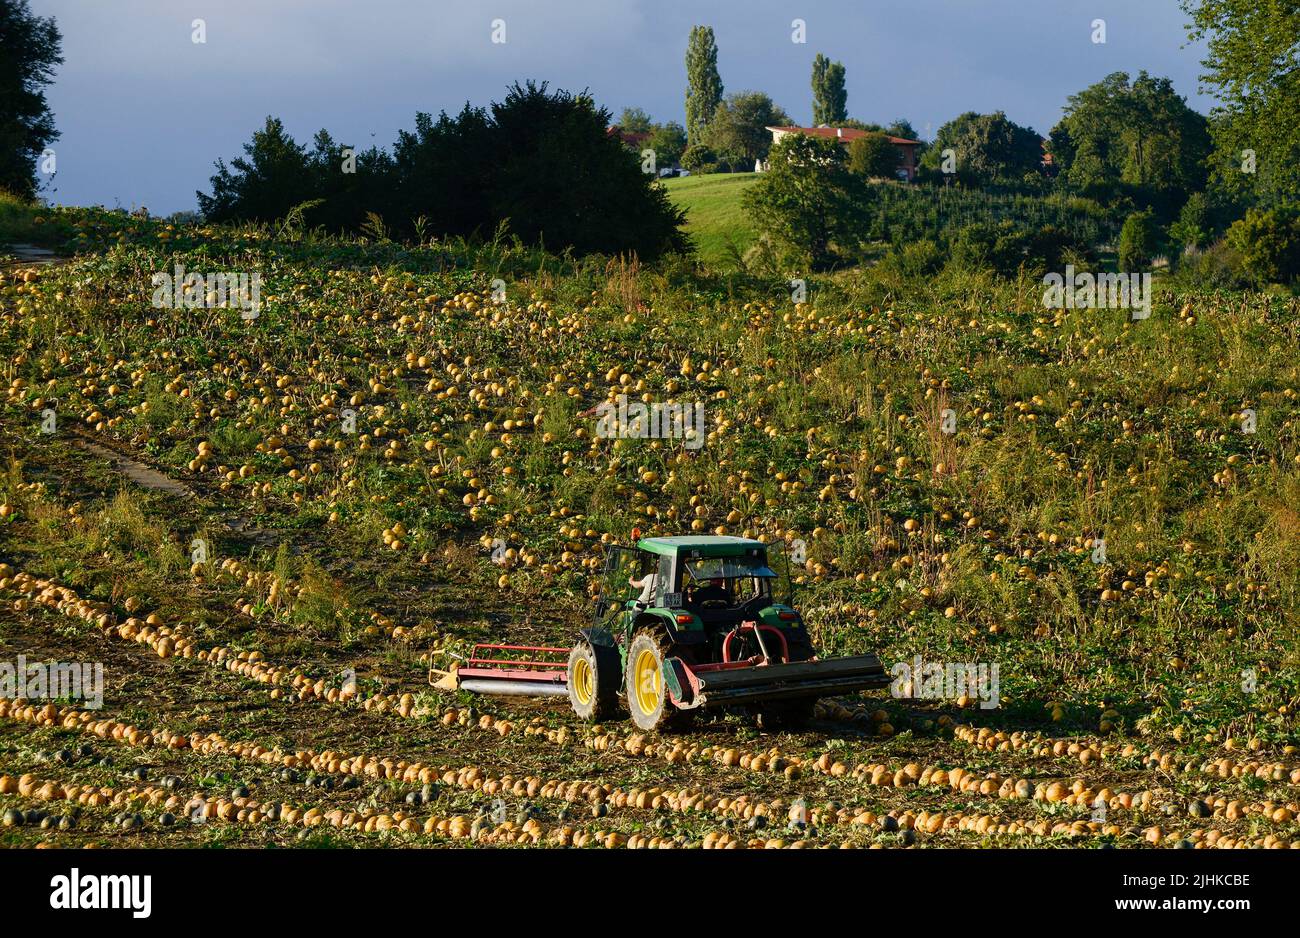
{"points": [[1052, 248], [1218, 267], [18, 219], [916, 259], [1008, 249], [1002, 247], [1268, 243], [699, 159], [873, 157], [1137, 242], [807, 204], [1194, 228], [972, 247]]}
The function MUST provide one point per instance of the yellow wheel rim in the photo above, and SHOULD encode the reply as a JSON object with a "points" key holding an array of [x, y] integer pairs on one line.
{"points": [[649, 681], [583, 681]]}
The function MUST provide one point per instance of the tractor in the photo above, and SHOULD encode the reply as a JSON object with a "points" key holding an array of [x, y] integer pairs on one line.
{"points": [[681, 624]]}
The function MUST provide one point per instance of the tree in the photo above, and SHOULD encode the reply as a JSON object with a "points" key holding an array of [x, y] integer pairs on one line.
{"points": [[855, 124], [540, 161], [635, 121], [1137, 242], [443, 171], [704, 85], [562, 181], [738, 131], [1194, 227], [902, 127], [830, 98], [668, 141], [1138, 139], [989, 149], [346, 196], [272, 177], [30, 47], [699, 159], [1251, 63], [1268, 242], [873, 156], [807, 204]]}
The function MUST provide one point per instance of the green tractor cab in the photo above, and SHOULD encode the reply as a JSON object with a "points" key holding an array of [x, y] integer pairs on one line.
{"points": [[680, 624]]}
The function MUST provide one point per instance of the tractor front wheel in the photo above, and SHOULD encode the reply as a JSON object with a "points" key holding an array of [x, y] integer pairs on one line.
{"points": [[593, 681], [647, 699]]}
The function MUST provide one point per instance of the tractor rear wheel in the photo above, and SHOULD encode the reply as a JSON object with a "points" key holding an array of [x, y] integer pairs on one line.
{"points": [[593, 681], [647, 698]]}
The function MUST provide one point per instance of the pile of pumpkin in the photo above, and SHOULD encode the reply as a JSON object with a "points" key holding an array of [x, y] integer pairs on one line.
{"points": [[167, 641], [1087, 751], [1075, 793], [602, 797], [247, 810]]}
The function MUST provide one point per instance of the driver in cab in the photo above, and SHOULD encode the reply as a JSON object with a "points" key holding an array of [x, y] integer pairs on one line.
{"points": [[648, 585]]}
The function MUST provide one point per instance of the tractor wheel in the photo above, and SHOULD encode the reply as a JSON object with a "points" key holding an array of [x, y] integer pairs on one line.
{"points": [[647, 698], [593, 681], [787, 714]]}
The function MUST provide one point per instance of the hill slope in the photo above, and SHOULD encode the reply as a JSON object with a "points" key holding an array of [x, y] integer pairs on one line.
{"points": [[714, 217]]}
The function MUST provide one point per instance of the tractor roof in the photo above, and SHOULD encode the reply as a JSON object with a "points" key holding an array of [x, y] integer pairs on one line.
{"points": [[715, 545]]}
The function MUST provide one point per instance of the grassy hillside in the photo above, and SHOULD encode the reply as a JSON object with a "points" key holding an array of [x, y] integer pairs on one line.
{"points": [[714, 218]]}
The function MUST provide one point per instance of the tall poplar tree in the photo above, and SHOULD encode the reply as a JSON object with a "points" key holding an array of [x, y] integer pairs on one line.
{"points": [[830, 98], [704, 85]]}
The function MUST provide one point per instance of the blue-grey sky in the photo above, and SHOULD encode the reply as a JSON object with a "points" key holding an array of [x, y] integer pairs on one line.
{"points": [[144, 110]]}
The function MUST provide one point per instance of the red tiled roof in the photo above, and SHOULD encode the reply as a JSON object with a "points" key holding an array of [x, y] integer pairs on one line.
{"points": [[627, 136], [845, 133]]}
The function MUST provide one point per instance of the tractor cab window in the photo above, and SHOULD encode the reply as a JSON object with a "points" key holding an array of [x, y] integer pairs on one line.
{"points": [[651, 579], [664, 585], [623, 567], [727, 582]]}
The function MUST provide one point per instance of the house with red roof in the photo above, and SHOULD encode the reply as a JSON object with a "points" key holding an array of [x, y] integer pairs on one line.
{"points": [[633, 139], [907, 149]]}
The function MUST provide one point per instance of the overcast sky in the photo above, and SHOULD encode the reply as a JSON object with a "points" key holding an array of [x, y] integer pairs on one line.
{"points": [[144, 110]]}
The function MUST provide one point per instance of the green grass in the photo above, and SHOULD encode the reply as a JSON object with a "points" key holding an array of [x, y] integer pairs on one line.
{"points": [[16, 219], [714, 217]]}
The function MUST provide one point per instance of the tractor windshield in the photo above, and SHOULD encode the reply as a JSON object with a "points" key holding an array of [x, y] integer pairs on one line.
{"points": [[727, 568], [724, 585]]}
